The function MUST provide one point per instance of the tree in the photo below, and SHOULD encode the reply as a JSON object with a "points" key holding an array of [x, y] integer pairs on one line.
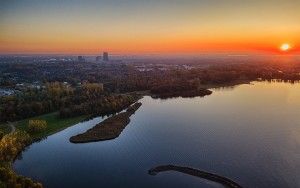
{"points": [[35, 126]]}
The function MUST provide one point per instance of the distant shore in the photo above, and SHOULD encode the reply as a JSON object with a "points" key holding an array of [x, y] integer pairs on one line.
{"points": [[229, 84], [184, 94]]}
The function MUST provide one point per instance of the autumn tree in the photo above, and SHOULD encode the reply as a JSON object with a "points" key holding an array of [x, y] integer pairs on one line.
{"points": [[35, 126]]}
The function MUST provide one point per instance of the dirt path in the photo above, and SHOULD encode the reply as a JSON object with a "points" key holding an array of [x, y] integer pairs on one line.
{"points": [[12, 127]]}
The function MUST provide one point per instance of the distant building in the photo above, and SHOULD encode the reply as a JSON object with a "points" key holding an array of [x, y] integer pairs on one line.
{"points": [[6, 92], [98, 58], [105, 56], [81, 59]]}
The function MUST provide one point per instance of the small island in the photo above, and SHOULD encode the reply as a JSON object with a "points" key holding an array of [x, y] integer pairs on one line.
{"points": [[197, 173], [179, 90], [108, 129]]}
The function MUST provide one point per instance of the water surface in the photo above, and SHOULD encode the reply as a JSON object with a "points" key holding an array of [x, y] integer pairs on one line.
{"points": [[249, 133]]}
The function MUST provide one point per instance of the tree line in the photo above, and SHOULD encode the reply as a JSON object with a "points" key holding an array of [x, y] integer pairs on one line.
{"points": [[52, 97]]}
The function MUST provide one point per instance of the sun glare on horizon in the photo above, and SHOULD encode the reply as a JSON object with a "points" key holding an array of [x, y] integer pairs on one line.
{"points": [[285, 47]]}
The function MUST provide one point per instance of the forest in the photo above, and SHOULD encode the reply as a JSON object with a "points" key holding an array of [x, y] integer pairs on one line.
{"points": [[87, 88], [70, 101]]}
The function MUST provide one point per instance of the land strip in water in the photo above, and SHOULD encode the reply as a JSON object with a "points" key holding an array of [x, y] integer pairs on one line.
{"points": [[197, 173], [108, 129]]}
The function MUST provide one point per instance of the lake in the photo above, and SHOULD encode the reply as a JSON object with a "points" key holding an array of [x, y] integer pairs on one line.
{"points": [[249, 133]]}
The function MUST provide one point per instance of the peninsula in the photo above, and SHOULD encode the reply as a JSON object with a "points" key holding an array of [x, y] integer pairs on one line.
{"points": [[108, 129]]}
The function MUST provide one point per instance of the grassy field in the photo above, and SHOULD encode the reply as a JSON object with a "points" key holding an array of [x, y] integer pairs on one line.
{"points": [[54, 124]]}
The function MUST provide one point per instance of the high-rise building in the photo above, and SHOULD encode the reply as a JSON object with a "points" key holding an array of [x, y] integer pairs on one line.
{"points": [[81, 59], [105, 56]]}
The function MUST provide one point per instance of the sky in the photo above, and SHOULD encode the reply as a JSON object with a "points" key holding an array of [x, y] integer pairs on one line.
{"points": [[148, 26]]}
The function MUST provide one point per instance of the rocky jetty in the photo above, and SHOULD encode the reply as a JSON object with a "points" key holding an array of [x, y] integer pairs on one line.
{"points": [[197, 173]]}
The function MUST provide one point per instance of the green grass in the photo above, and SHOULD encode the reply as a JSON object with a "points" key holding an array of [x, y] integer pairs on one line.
{"points": [[54, 124]]}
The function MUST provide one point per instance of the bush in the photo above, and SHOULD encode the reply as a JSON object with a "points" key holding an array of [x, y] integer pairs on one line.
{"points": [[12, 144], [35, 126]]}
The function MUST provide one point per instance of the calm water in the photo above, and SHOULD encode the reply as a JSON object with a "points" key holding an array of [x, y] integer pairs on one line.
{"points": [[250, 133]]}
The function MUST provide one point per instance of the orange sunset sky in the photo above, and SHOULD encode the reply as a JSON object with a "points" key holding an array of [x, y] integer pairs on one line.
{"points": [[157, 26]]}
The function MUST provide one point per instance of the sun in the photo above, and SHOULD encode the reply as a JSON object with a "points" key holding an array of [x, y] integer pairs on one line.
{"points": [[285, 47]]}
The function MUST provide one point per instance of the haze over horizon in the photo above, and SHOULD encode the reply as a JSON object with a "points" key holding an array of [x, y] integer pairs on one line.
{"points": [[145, 27]]}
